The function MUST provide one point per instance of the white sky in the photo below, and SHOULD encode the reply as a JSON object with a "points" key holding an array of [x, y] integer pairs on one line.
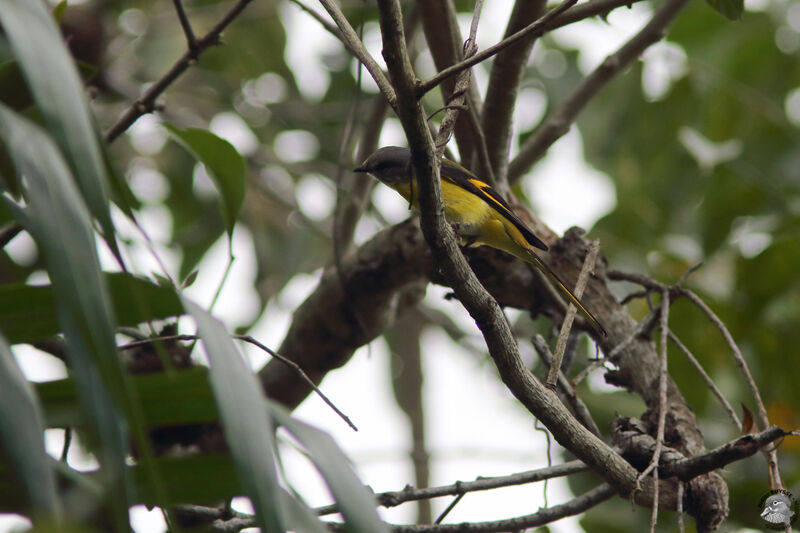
{"points": [[475, 428]]}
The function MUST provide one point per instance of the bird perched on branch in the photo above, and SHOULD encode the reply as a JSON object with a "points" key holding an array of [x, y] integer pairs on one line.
{"points": [[478, 213]]}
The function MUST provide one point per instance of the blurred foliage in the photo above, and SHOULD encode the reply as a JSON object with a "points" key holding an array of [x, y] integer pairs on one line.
{"points": [[707, 169]]}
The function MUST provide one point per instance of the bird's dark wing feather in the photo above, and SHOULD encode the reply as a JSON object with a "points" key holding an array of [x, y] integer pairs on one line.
{"points": [[458, 175]]}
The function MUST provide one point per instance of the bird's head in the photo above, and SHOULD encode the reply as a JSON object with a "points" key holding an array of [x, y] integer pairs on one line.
{"points": [[390, 165]]}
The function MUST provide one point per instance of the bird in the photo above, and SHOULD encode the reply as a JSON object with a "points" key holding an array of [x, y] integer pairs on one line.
{"points": [[777, 509], [478, 213]]}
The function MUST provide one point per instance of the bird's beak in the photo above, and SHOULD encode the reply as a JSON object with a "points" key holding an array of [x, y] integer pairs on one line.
{"points": [[359, 169]]}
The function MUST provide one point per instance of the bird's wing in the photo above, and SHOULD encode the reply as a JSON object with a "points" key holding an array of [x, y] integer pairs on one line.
{"points": [[461, 177]]}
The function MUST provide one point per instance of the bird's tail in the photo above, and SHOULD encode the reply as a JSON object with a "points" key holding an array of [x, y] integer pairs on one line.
{"points": [[571, 298]]}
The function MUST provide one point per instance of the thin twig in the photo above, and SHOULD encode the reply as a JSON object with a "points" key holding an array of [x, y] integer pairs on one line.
{"points": [[772, 458], [679, 510], [579, 408], [408, 494], [560, 120], [65, 447], [549, 450], [676, 290], [645, 324], [580, 376], [473, 27], [573, 507], [296, 367], [449, 508], [566, 325], [737, 353], [191, 40], [503, 88], [454, 106], [253, 341], [325, 23], [353, 43], [146, 103], [709, 382], [662, 405], [534, 29], [586, 10], [458, 99], [224, 279], [236, 521], [634, 295]]}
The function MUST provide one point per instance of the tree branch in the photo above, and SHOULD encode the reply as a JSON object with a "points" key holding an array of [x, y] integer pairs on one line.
{"points": [[545, 516], [395, 498], [504, 81], [191, 40], [380, 279], [440, 25], [533, 30], [539, 400], [589, 9], [146, 103], [560, 120], [354, 44], [636, 445]]}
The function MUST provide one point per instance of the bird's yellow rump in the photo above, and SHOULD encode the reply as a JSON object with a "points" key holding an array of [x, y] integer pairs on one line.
{"points": [[480, 215]]}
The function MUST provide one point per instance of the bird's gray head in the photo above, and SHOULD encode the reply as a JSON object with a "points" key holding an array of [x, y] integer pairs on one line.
{"points": [[390, 164]]}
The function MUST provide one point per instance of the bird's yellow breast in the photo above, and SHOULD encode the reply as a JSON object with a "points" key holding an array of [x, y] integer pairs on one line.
{"points": [[477, 222]]}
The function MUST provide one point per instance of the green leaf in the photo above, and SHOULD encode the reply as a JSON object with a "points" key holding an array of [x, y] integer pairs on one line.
{"points": [[730, 9], [59, 10], [199, 479], [170, 398], [57, 219], [244, 417], [224, 164], [28, 313], [357, 503], [22, 435], [58, 91], [13, 89]]}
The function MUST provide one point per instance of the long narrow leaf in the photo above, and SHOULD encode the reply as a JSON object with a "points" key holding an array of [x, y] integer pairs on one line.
{"points": [[28, 313], [22, 433], [173, 398], [248, 430], [59, 222], [57, 90], [356, 502]]}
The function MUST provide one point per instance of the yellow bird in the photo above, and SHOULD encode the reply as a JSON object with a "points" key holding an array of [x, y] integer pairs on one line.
{"points": [[478, 213]]}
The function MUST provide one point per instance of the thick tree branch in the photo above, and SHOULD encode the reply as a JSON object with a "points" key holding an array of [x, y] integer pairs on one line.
{"points": [[638, 446], [382, 278]]}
